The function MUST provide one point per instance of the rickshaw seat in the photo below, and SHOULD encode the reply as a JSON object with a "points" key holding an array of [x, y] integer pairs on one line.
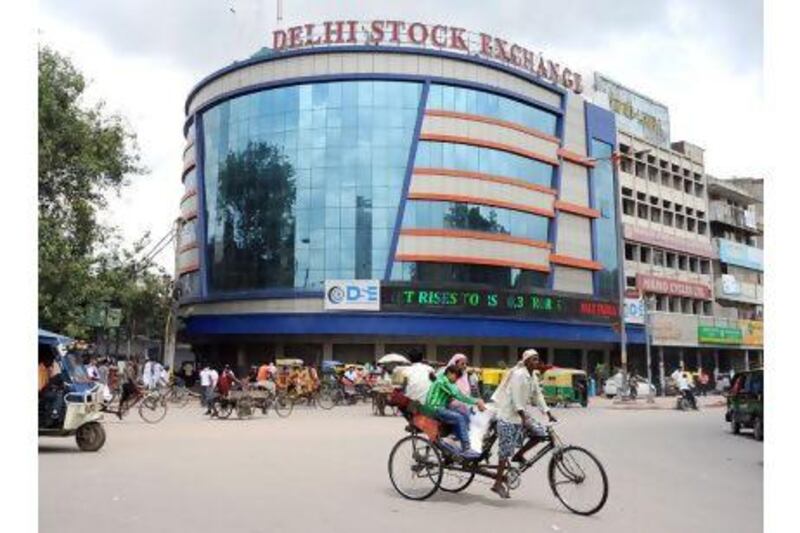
{"points": [[430, 426]]}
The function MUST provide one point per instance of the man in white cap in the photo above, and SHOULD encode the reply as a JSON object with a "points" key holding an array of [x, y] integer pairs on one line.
{"points": [[518, 388]]}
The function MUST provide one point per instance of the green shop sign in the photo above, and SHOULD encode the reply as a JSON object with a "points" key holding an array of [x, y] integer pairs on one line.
{"points": [[715, 335]]}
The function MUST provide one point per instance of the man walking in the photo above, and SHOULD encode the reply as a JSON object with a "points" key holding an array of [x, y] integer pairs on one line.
{"points": [[205, 387], [518, 388]]}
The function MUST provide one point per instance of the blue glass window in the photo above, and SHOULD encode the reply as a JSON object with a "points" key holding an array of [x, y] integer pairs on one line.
{"points": [[486, 160], [428, 214], [302, 183], [463, 100], [605, 227]]}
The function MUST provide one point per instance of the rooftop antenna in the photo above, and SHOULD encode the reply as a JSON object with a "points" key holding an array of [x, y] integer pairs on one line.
{"points": [[279, 6]]}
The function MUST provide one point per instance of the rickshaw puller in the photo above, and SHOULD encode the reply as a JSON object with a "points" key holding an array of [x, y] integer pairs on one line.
{"points": [[514, 394]]}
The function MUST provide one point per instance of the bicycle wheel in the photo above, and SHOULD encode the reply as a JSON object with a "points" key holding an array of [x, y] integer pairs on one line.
{"points": [[325, 399], [152, 409], [578, 480], [283, 405], [456, 480], [415, 468], [224, 408]]}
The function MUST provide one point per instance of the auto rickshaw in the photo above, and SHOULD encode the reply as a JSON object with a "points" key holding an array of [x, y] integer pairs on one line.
{"points": [[490, 379], [565, 386], [69, 402]]}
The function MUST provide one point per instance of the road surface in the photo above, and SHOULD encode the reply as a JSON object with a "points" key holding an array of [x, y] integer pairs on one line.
{"points": [[327, 471]]}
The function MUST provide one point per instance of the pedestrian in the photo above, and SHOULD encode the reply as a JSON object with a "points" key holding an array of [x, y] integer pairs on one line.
{"points": [[102, 371], [92, 371], [205, 387]]}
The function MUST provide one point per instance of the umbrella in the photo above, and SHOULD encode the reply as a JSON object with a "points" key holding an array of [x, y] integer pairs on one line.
{"points": [[393, 358]]}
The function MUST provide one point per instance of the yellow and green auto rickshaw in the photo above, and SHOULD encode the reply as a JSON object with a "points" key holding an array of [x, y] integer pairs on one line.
{"points": [[565, 386], [490, 379]]}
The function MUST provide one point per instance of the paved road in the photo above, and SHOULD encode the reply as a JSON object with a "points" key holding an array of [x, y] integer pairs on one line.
{"points": [[326, 471]]}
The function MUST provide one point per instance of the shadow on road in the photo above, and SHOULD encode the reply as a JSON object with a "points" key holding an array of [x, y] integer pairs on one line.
{"points": [[58, 449], [467, 498]]}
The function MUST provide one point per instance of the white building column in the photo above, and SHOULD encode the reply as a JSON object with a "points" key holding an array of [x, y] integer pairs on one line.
{"points": [[551, 354], [477, 355], [380, 350], [747, 359], [661, 371], [716, 363], [327, 351], [430, 351]]}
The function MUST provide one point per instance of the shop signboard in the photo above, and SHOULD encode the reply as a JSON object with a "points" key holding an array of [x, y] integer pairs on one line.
{"points": [[634, 311], [672, 329], [636, 114], [730, 286], [352, 295], [753, 332], [487, 302], [735, 253], [719, 335], [647, 283]]}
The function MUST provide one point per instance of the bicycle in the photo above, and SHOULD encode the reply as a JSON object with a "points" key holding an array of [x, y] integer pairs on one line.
{"points": [[152, 407], [419, 462]]}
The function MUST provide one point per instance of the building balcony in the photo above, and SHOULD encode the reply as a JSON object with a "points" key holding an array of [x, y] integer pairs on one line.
{"points": [[733, 216]]}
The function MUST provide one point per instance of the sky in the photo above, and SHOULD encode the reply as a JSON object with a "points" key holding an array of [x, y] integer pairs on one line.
{"points": [[701, 58]]}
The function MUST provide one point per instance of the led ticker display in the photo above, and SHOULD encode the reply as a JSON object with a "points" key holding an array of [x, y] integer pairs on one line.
{"points": [[414, 299]]}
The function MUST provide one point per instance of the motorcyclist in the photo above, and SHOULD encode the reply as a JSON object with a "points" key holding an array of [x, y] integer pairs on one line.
{"points": [[685, 388]]}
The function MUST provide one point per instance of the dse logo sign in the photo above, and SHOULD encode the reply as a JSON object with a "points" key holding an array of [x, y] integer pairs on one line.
{"points": [[352, 295]]}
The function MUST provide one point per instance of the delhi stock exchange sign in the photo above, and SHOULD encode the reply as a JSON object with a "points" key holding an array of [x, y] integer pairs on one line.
{"points": [[382, 33], [352, 295]]}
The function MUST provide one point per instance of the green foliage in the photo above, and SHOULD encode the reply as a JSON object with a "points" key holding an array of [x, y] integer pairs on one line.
{"points": [[84, 155]]}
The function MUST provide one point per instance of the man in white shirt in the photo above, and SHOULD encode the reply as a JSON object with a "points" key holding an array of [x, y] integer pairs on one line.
{"points": [[418, 377], [685, 389], [205, 387], [518, 389]]}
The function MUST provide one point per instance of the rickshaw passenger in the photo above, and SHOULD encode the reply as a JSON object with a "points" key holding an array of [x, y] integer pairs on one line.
{"points": [[459, 360], [442, 391], [313, 378]]}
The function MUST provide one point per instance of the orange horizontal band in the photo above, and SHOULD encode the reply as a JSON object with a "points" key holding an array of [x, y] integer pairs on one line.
{"points": [[575, 157], [190, 215], [428, 171], [440, 137], [186, 248], [493, 121], [187, 167], [189, 268], [189, 194], [482, 201], [189, 144], [471, 261], [576, 262], [576, 209], [478, 235]]}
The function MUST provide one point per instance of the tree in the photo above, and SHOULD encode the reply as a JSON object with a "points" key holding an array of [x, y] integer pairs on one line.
{"points": [[461, 216], [85, 154]]}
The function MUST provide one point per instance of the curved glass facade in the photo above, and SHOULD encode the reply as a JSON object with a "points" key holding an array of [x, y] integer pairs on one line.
{"points": [[463, 100], [432, 214], [486, 160], [302, 183]]}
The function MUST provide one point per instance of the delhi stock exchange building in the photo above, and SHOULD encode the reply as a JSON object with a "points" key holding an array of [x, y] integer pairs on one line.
{"points": [[346, 198]]}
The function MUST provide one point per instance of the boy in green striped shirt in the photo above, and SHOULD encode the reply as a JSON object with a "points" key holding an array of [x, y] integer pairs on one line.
{"points": [[439, 395]]}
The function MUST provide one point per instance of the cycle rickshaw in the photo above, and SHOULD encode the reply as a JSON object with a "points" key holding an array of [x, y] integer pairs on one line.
{"points": [[419, 465]]}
